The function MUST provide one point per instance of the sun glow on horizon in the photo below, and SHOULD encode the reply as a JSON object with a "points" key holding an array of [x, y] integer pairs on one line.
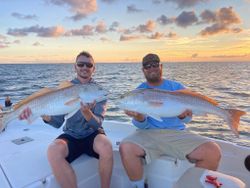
{"points": [[179, 32]]}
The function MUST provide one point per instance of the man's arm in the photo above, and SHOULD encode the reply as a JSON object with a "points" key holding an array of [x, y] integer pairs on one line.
{"points": [[139, 120], [55, 121], [94, 117]]}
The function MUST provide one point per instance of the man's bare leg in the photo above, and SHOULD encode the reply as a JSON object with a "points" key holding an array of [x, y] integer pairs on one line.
{"points": [[131, 155], [206, 156], [62, 170], [103, 147]]}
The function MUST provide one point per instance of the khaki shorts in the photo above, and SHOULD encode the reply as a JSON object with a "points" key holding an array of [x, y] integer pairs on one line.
{"points": [[160, 142]]}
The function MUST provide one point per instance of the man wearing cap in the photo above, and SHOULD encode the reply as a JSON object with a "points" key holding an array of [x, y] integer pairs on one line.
{"points": [[169, 137], [83, 133]]}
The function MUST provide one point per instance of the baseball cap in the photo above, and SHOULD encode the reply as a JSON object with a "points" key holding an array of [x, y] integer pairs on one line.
{"points": [[150, 58]]}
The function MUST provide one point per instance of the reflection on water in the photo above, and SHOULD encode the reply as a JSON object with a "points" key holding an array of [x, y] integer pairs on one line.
{"points": [[228, 83]]}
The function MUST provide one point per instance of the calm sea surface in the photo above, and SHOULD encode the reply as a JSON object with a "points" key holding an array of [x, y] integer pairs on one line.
{"points": [[228, 83]]}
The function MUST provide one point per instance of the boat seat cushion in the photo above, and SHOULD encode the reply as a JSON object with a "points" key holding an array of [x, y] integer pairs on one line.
{"points": [[196, 177]]}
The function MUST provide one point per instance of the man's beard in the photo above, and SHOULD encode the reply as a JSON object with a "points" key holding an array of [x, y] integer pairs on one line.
{"points": [[154, 79]]}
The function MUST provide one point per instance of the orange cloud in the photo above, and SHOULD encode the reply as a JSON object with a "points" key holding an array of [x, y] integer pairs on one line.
{"points": [[171, 35], [156, 35], [222, 21], [54, 31], [194, 55], [148, 27], [230, 56], [129, 37], [79, 7], [101, 27], [37, 44], [3, 42], [86, 30]]}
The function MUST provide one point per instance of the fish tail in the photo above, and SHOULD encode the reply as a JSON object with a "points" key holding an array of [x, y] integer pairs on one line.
{"points": [[5, 118], [234, 119], [2, 122]]}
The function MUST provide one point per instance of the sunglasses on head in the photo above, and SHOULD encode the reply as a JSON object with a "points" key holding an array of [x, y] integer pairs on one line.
{"points": [[151, 64], [87, 64]]}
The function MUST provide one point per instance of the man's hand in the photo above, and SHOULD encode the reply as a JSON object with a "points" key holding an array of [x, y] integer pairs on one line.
{"points": [[25, 114], [137, 116], [185, 114], [46, 118], [86, 110]]}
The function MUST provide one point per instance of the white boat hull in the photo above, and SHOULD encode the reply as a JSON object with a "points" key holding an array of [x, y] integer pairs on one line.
{"points": [[26, 166]]}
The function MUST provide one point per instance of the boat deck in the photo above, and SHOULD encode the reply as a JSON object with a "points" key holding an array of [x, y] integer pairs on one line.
{"points": [[23, 160]]}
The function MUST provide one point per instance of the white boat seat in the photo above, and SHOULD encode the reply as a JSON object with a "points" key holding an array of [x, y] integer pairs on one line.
{"points": [[165, 171], [195, 178]]}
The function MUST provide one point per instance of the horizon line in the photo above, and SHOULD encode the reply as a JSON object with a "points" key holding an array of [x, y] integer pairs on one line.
{"points": [[120, 62]]}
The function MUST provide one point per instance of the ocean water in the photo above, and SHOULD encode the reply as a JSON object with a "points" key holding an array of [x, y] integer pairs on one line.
{"points": [[228, 83]]}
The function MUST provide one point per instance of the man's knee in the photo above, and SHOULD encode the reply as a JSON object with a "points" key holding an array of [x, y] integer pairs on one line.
{"points": [[103, 147], [127, 148], [206, 150], [57, 150], [213, 151], [207, 155], [124, 148], [106, 151]]}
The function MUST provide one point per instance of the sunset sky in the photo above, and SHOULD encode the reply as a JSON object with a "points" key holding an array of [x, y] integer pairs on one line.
{"points": [[54, 31]]}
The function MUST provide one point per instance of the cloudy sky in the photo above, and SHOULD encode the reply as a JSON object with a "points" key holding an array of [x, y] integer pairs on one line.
{"points": [[51, 31]]}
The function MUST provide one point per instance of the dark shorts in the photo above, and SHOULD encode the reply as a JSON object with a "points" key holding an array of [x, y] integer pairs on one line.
{"points": [[78, 147]]}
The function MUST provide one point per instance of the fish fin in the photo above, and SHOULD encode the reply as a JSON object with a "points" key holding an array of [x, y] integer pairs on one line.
{"points": [[155, 103], [234, 120], [72, 101], [194, 94], [64, 84], [131, 93], [32, 97], [69, 115], [40, 93], [156, 117]]}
